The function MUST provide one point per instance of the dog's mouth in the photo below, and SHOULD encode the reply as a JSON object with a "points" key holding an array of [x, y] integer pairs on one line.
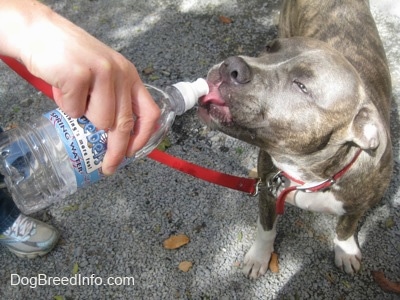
{"points": [[213, 108]]}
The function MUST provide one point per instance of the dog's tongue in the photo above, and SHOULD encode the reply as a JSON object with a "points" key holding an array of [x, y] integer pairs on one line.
{"points": [[213, 97], [214, 105]]}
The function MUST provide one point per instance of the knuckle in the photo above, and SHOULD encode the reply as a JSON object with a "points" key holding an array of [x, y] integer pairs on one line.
{"points": [[81, 74], [105, 65], [125, 125], [153, 115]]}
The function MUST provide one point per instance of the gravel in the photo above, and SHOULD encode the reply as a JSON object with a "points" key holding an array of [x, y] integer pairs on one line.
{"points": [[115, 228]]}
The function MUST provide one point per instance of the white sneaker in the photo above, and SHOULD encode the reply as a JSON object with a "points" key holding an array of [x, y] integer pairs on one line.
{"points": [[29, 238]]}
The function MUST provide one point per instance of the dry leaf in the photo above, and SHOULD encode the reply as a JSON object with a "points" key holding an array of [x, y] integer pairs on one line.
{"points": [[253, 173], [225, 20], [236, 264], [346, 284], [240, 236], [273, 263], [176, 241], [389, 223], [164, 145], [11, 126], [299, 223], [330, 277], [148, 70], [185, 266], [75, 269], [386, 284]]}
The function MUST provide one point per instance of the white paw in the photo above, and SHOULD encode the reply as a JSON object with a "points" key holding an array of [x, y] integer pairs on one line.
{"points": [[256, 260], [347, 255]]}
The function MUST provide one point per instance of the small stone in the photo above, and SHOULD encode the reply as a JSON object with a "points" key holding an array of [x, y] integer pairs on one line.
{"points": [[309, 250]]}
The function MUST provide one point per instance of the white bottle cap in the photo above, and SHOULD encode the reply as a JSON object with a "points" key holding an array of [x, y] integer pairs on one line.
{"points": [[192, 91]]}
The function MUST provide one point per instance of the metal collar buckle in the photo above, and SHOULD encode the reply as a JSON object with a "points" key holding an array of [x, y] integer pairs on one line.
{"points": [[274, 184], [258, 186]]}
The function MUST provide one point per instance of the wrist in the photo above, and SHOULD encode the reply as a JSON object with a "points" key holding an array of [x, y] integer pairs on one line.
{"points": [[19, 25]]}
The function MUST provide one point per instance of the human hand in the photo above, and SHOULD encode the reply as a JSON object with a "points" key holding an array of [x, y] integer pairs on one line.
{"points": [[88, 78]]}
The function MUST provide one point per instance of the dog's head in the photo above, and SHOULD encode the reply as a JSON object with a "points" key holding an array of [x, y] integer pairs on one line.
{"points": [[300, 96]]}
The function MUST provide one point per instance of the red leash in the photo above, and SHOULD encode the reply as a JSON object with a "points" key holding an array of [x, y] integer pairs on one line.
{"points": [[247, 185]]}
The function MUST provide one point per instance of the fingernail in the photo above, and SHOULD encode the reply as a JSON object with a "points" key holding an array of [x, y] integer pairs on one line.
{"points": [[109, 171], [131, 154]]}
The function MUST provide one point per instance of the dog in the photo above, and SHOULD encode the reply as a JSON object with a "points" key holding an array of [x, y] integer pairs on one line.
{"points": [[317, 104]]}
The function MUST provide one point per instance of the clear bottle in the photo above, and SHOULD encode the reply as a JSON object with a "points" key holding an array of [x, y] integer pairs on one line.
{"points": [[49, 159]]}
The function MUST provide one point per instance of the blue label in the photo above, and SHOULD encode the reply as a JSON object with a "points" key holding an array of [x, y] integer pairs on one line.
{"points": [[86, 146]]}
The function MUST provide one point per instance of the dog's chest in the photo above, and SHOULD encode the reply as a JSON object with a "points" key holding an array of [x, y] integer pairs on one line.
{"points": [[316, 201]]}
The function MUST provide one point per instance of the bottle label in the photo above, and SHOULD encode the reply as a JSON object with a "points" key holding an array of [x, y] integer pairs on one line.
{"points": [[86, 146]]}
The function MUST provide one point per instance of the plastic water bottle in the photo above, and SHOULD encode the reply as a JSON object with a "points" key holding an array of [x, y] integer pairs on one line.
{"points": [[52, 157]]}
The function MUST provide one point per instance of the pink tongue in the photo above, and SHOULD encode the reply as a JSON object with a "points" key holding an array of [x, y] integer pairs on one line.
{"points": [[213, 97]]}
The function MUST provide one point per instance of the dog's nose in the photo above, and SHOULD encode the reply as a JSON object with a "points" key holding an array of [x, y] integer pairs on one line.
{"points": [[235, 69]]}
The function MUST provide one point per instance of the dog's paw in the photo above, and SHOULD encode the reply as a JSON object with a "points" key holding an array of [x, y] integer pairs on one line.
{"points": [[256, 261], [347, 255]]}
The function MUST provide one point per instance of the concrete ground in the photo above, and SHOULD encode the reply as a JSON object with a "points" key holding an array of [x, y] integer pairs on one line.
{"points": [[112, 232]]}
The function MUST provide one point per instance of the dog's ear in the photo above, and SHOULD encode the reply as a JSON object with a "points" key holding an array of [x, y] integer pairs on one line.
{"points": [[367, 130]]}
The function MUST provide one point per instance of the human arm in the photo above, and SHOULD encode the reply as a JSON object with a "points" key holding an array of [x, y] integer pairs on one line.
{"points": [[88, 77]]}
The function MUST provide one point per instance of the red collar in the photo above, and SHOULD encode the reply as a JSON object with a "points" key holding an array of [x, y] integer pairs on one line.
{"points": [[279, 178]]}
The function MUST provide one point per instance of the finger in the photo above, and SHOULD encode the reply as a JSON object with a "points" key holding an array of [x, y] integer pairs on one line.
{"points": [[71, 95], [120, 133], [146, 113], [101, 106]]}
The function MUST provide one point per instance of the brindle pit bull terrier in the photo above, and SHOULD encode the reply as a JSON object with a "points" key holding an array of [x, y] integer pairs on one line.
{"points": [[317, 105]]}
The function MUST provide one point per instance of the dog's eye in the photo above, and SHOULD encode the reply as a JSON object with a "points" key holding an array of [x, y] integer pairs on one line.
{"points": [[301, 86]]}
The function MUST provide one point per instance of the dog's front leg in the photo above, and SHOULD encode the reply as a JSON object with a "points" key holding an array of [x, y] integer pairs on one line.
{"points": [[347, 252], [257, 258]]}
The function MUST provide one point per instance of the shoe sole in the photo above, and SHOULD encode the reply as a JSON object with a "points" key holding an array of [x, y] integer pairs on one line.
{"points": [[30, 255]]}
